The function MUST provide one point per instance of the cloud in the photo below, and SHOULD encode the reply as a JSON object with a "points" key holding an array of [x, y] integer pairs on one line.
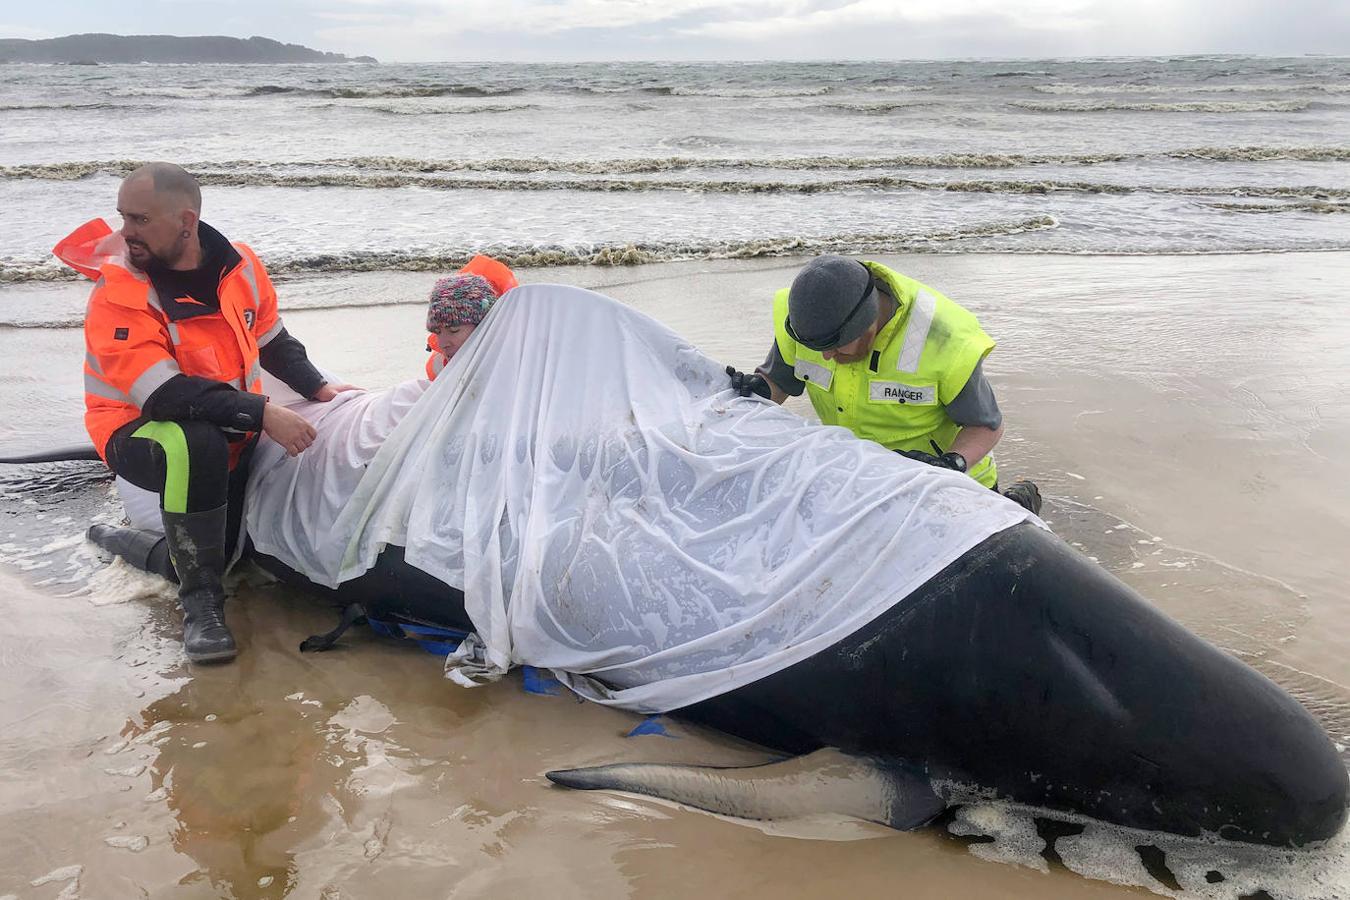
{"points": [[521, 30], [575, 14], [532, 17], [1029, 15], [715, 29], [25, 32]]}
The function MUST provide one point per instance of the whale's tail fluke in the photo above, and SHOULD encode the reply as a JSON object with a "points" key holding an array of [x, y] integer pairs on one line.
{"points": [[826, 781]]}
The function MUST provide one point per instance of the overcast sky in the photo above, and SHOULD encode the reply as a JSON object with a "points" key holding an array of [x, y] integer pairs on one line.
{"points": [[525, 30]]}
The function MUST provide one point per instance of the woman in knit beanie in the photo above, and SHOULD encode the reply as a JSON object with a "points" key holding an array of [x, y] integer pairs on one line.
{"points": [[458, 303]]}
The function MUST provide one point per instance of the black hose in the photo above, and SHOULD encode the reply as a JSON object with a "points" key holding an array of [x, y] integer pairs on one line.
{"points": [[61, 454]]}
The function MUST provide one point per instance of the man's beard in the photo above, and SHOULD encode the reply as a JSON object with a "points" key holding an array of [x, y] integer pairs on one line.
{"points": [[159, 262]]}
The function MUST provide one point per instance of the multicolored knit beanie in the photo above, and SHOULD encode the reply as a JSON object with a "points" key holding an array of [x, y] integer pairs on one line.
{"points": [[459, 300]]}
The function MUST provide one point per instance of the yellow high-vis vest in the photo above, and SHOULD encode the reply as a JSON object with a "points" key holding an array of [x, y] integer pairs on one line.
{"points": [[898, 395]]}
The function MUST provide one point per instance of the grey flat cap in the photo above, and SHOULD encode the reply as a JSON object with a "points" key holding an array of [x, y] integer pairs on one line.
{"points": [[827, 306]]}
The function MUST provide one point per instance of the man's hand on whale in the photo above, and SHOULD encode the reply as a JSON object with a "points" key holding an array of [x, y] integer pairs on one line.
{"points": [[328, 391], [288, 428], [949, 460], [747, 383]]}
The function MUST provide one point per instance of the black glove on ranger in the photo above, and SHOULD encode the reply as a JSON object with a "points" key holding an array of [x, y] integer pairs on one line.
{"points": [[949, 460], [747, 384]]}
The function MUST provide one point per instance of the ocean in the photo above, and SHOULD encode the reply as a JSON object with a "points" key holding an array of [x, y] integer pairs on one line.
{"points": [[351, 168], [1157, 244]]}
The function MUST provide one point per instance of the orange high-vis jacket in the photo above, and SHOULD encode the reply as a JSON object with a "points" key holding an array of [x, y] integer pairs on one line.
{"points": [[502, 279], [436, 361], [132, 347]]}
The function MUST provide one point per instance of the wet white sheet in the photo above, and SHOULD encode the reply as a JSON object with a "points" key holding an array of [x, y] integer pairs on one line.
{"points": [[611, 510]]}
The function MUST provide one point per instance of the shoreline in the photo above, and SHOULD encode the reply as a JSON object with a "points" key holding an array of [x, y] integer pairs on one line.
{"points": [[74, 287]]}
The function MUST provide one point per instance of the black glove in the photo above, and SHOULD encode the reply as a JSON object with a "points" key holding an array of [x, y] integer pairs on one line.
{"points": [[923, 457], [949, 460], [953, 460], [753, 383]]}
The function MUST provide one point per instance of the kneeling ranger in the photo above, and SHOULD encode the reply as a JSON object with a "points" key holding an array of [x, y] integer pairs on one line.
{"points": [[892, 360]]}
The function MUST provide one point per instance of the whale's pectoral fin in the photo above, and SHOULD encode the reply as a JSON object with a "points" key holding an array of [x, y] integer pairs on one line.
{"points": [[827, 781]]}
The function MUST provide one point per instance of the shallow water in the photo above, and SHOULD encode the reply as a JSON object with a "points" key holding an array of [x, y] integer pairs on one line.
{"points": [[1181, 414]]}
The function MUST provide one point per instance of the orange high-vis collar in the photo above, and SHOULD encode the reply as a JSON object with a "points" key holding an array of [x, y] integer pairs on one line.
{"points": [[497, 273], [89, 247]]}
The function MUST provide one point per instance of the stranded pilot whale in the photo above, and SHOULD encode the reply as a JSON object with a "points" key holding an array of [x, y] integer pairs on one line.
{"points": [[1026, 672], [1022, 671], [655, 508]]}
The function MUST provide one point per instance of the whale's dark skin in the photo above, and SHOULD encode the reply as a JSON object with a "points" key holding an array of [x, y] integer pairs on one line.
{"points": [[1025, 668], [1027, 671]]}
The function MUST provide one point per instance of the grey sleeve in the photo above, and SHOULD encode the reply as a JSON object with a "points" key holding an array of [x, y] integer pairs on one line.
{"points": [[976, 404], [780, 374]]}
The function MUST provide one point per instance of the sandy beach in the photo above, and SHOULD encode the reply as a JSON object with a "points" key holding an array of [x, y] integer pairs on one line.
{"points": [[1184, 416]]}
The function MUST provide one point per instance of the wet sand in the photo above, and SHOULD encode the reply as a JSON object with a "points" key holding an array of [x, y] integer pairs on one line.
{"points": [[1183, 415]]}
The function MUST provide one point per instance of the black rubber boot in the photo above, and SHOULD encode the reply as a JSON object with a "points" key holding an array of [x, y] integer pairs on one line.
{"points": [[197, 546], [146, 550], [1025, 494]]}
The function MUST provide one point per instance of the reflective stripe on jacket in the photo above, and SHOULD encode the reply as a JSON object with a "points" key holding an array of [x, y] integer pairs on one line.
{"points": [[920, 361]]}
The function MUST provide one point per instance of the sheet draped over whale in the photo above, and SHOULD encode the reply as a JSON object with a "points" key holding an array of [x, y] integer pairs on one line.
{"points": [[612, 511]]}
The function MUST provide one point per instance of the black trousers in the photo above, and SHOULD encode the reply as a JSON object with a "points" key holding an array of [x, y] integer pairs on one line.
{"points": [[186, 462]]}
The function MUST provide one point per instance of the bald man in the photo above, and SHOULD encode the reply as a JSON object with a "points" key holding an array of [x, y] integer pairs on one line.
{"points": [[179, 327]]}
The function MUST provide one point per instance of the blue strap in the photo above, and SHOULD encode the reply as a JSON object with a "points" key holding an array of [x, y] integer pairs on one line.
{"points": [[539, 681], [431, 638], [650, 725]]}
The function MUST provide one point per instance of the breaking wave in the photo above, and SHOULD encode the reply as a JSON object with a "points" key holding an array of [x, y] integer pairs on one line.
{"points": [[1316, 206], [935, 161], [742, 93], [1263, 154], [1093, 89], [546, 256], [455, 111], [421, 90], [20, 273], [73, 171], [878, 108], [179, 93], [886, 88], [1195, 106], [699, 186], [402, 179], [25, 107]]}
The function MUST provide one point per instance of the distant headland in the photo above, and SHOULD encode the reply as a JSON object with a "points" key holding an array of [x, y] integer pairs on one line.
{"points": [[92, 49]]}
